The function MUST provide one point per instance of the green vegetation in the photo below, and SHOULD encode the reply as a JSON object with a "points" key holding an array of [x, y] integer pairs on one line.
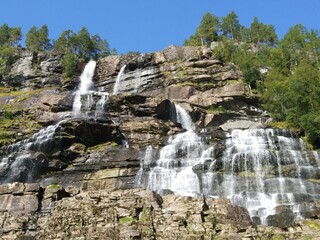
{"points": [[54, 187], [102, 147], [126, 220], [9, 38], [312, 224], [75, 47], [216, 110], [284, 73], [37, 40], [15, 120]]}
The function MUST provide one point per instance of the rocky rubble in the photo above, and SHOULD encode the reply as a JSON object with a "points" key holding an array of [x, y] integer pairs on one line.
{"points": [[31, 212]]}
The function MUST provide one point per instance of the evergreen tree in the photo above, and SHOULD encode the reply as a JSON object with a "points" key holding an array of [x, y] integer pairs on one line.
{"points": [[64, 43], [206, 33], [69, 64], [9, 36], [230, 26], [262, 34], [38, 40]]}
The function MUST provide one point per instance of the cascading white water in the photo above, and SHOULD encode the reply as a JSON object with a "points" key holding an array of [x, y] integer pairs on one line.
{"points": [[83, 91], [173, 170], [260, 169], [101, 104], [116, 87], [19, 152]]}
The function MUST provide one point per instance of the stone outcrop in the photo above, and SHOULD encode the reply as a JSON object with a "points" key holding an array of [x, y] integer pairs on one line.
{"points": [[29, 211]]}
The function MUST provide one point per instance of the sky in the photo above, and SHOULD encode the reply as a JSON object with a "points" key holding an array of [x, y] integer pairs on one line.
{"points": [[152, 25]]}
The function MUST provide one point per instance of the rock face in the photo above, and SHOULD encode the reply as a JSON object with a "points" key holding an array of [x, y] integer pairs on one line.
{"points": [[29, 211], [75, 178]]}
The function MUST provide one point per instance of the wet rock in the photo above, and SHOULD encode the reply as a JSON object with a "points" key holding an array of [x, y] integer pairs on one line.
{"points": [[283, 218], [27, 168]]}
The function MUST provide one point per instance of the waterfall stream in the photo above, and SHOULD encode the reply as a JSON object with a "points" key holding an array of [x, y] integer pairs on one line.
{"points": [[116, 87], [261, 169]]}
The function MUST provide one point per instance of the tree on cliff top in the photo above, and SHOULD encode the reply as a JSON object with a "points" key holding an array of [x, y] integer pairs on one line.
{"points": [[9, 36], [262, 33], [81, 44], [38, 40], [206, 33], [230, 26]]}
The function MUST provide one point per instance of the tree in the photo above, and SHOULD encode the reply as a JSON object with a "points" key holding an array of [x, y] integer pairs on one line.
{"points": [[9, 36], [230, 26], [85, 44], [262, 34], [43, 38], [69, 64], [100, 46], [64, 43], [313, 47], [206, 33], [38, 40], [293, 46]]}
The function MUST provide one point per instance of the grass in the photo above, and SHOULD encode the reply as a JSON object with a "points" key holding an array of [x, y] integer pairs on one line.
{"points": [[101, 147], [10, 126], [126, 220], [216, 110], [54, 187]]}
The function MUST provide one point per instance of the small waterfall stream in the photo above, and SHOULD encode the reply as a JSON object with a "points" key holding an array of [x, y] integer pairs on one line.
{"points": [[85, 86], [84, 99], [116, 87], [260, 169], [174, 167]]}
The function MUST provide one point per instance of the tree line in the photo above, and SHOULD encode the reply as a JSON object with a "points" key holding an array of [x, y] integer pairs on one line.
{"points": [[284, 73], [74, 46]]}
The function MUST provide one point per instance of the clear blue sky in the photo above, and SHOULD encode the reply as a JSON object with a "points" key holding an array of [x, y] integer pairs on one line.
{"points": [[151, 25]]}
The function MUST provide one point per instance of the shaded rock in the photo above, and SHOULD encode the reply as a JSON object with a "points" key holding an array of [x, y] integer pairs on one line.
{"points": [[283, 218], [27, 168]]}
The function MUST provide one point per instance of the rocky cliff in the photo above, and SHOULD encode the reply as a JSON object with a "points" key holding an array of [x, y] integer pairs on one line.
{"points": [[74, 177]]}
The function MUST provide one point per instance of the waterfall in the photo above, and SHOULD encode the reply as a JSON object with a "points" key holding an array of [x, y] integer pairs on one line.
{"points": [[266, 168], [184, 118], [20, 152], [85, 97], [173, 170], [83, 91], [118, 80], [101, 104], [260, 169]]}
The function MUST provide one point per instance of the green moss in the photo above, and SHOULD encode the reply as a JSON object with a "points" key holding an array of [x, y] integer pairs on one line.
{"points": [[147, 232], [20, 124], [278, 237], [22, 94], [126, 220], [308, 237], [196, 84], [78, 148], [312, 224], [145, 216], [54, 187], [314, 180], [101, 147], [282, 125], [247, 174], [216, 110], [4, 90]]}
